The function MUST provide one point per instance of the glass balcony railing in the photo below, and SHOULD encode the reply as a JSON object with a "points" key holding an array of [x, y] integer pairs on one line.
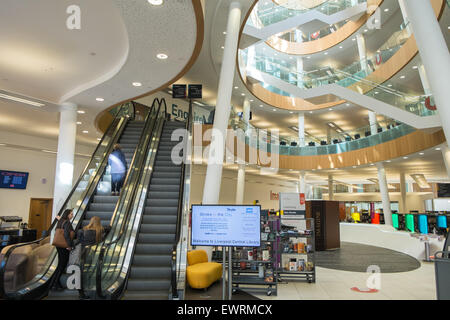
{"points": [[293, 36], [286, 70], [341, 142], [269, 12]]}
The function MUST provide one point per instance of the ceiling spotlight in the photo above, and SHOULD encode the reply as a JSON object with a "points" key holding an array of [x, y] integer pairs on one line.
{"points": [[405, 158], [242, 94], [261, 105], [274, 109], [224, 32], [162, 56], [386, 10], [85, 131], [415, 67], [340, 47], [100, 99], [98, 139], [252, 100], [402, 77], [79, 122], [236, 87], [81, 111], [137, 84], [222, 47], [155, 2], [438, 149], [421, 153]]}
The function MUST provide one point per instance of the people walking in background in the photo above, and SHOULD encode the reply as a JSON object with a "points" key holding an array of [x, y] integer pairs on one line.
{"points": [[118, 165]]}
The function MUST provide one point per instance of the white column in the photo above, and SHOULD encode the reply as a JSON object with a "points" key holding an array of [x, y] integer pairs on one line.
{"points": [[330, 187], [434, 53], [424, 80], [65, 155], [240, 185], [299, 39], [373, 122], [302, 182], [405, 16], [246, 115], [211, 190], [382, 182], [362, 51], [301, 129], [310, 193], [402, 207], [446, 155], [251, 53]]}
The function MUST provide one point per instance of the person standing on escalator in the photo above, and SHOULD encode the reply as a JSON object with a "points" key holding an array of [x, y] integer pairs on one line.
{"points": [[118, 165]]}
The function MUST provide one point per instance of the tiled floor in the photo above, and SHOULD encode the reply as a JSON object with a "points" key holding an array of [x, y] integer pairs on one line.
{"points": [[335, 285]]}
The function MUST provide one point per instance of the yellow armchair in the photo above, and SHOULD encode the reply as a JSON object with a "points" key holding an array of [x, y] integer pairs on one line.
{"points": [[200, 273]]}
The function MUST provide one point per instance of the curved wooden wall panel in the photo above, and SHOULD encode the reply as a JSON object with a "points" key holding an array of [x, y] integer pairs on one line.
{"points": [[327, 42], [403, 146]]}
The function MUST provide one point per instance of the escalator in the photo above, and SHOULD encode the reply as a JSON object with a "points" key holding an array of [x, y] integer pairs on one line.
{"points": [[150, 275], [103, 203], [141, 262], [26, 269]]}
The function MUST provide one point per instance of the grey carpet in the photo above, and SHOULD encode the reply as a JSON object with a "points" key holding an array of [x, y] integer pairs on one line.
{"points": [[357, 257]]}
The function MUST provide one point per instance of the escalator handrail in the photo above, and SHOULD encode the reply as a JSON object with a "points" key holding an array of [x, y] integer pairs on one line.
{"points": [[105, 247], [6, 256], [118, 205], [180, 206]]}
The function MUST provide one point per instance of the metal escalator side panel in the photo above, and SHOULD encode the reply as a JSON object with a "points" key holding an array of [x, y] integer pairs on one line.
{"points": [[78, 199]]}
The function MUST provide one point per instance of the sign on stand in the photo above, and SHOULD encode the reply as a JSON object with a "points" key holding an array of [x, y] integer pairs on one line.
{"points": [[293, 204]]}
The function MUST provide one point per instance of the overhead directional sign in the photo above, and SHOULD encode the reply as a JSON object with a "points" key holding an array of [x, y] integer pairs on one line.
{"points": [[179, 91], [195, 91]]}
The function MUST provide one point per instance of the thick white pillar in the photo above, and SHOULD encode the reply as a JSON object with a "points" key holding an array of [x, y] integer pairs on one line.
{"points": [[300, 68], [373, 122], [65, 156], [330, 187], [246, 115], [302, 182], [211, 190], [434, 53], [240, 185], [301, 129], [382, 182], [424, 80], [402, 206], [362, 51], [405, 16], [446, 155]]}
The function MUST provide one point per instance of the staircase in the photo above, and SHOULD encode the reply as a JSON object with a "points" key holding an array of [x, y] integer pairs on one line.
{"points": [[150, 275], [103, 203]]}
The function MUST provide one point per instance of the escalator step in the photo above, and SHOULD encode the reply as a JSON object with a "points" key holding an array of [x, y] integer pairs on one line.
{"points": [[146, 295], [160, 210], [148, 285], [162, 195], [102, 207], [148, 273], [153, 260], [157, 228], [169, 175], [159, 219], [165, 181], [162, 202], [102, 215], [106, 199], [156, 238], [146, 248], [165, 188]]}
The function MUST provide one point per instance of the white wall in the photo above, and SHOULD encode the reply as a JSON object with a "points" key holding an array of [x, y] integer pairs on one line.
{"points": [[256, 188], [39, 164]]}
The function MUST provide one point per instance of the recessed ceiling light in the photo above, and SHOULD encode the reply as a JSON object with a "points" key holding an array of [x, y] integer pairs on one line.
{"points": [[405, 158], [325, 53], [242, 94], [100, 99], [162, 56], [421, 153], [222, 47], [354, 167], [137, 84], [79, 122], [17, 99], [236, 87], [81, 111], [347, 104], [224, 32], [388, 161], [99, 139], [415, 67], [85, 131], [291, 111], [261, 105], [311, 112], [155, 2], [252, 100], [331, 109], [438, 149], [274, 109], [386, 10], [389, 85], [402, 77], [2, 144], [340, 47]]}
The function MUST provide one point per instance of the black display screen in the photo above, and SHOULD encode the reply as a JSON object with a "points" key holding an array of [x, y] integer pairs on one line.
{"points": [[13, 179], [443, 190]]}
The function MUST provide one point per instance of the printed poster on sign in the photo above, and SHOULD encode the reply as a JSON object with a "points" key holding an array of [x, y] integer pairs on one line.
{"points": [[293, 204]]}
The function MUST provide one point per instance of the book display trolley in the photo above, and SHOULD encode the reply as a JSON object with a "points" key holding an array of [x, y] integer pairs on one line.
{"points": [[256, 269], [297, 250]]}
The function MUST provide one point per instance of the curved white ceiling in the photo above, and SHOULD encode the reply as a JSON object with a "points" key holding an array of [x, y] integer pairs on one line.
{"points": [[41, 57]]}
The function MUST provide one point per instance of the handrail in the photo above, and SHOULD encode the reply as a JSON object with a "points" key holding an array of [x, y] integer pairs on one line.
{"points": [[180, 207], [5, 259], [127, 210], [83, 257]]}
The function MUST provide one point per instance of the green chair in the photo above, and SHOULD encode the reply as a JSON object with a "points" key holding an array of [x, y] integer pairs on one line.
{"points": [[410, 222], [395, 220]]}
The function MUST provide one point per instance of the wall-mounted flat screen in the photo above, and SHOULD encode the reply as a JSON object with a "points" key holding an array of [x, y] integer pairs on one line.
{"points": [[443, 190], [13, 179], [226, 225]]}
